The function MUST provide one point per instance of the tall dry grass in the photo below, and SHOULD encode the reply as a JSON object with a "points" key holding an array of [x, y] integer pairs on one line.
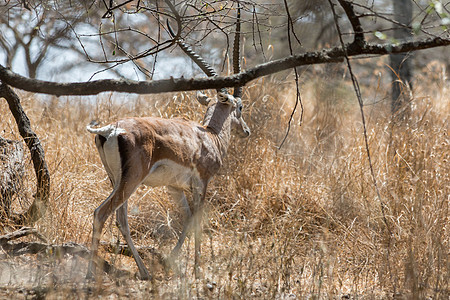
{"points": [[303, 221]]}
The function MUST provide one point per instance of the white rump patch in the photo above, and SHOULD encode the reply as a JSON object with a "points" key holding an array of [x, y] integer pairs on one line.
{"points": [[109, 153]]}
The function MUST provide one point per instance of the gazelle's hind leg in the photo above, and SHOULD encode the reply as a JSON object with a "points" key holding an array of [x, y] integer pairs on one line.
{"points": [[122, 191], [122, 219], [101, 214]]}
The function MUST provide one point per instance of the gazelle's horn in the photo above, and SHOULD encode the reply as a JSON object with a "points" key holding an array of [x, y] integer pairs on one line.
{"points": [[237, 52], [199, 61]]}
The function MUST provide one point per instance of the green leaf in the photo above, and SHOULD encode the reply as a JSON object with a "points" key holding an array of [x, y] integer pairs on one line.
{"points": [[416, 26]]}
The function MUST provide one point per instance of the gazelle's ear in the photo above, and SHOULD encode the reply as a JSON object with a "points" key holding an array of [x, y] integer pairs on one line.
{"points": [[202, 98], [238, 107]]}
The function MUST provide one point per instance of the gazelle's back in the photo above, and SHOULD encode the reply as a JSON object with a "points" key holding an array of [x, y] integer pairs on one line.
{"points": [[157, 151]]}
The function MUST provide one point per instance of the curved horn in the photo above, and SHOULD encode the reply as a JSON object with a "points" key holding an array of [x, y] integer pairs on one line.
{"points": [[199, 61], [209, 71], [177, 16], [237, 52]]}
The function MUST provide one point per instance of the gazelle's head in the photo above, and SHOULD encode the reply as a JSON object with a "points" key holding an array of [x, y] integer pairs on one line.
{"points": [[227, 107], [238, 125]]}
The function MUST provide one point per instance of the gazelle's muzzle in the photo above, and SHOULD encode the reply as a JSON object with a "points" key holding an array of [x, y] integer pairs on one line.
{"points": [[244, 130]]}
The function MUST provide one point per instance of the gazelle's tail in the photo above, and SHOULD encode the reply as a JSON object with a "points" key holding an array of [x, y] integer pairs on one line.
{"points": [[103, 131]]}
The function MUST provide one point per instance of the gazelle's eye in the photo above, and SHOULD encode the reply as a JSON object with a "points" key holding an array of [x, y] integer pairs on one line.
{"points": [[240, 107]]}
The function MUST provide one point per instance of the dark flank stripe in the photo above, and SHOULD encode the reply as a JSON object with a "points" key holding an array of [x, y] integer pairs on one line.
{"points": [[123, 152], [101, 139]]}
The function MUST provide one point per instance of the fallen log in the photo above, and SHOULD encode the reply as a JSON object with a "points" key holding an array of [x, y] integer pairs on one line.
{"points": [[70, 248]]}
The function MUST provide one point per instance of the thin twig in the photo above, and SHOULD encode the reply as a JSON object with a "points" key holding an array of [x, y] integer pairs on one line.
{"points": [[363, 119], [298, 99]]}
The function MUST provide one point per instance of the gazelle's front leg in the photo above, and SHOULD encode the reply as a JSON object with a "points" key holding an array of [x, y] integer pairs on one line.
{"points": [[179, 196], [199, 193], [122, 220]]}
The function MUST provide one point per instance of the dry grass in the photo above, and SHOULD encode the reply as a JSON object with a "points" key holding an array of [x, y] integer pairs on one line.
{"points": [[300, 222]]}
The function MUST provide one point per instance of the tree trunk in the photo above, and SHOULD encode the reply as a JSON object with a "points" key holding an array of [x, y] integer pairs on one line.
{"points": [[40, 203], [11, 173], [401, 63]]}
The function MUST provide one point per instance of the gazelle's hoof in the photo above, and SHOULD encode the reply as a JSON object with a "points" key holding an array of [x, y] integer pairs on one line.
{"points": [[145, 277], [198, 272]]}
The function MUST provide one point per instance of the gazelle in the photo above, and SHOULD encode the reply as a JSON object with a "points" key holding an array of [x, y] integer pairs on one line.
{"points": [[176, 153]]}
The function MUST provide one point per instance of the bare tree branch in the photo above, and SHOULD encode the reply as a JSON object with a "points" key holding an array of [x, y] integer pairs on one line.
{"points": [[183, 84], [354, 20], [24, 231]]}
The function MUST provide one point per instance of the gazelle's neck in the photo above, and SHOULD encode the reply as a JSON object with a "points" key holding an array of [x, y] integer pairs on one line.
{"points": [[217, 119]]}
